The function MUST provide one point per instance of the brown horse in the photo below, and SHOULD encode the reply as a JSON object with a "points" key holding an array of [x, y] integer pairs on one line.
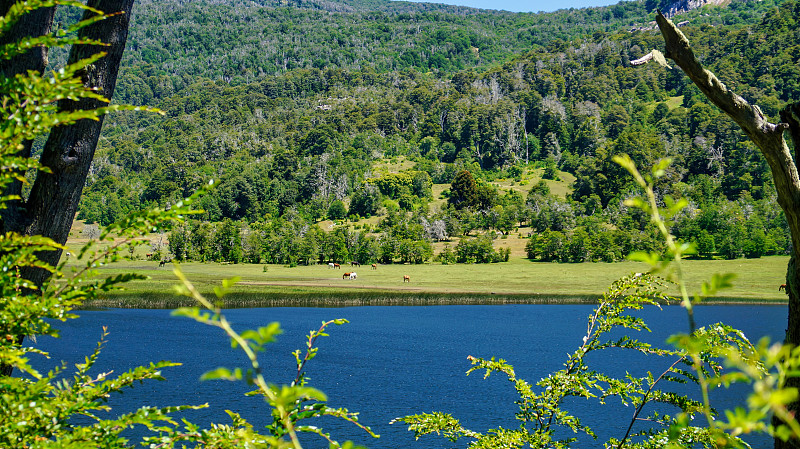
{"points": [[346, 275], [336, 265], [406, 278], [374, 266], [783, 288]]}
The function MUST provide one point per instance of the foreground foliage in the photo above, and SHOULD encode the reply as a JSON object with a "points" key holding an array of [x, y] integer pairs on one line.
{"points": [[711, 357], [40, 410]]}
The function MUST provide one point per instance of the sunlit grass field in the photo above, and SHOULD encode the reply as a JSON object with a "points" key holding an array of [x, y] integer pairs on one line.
{"points": [[518, 280]]}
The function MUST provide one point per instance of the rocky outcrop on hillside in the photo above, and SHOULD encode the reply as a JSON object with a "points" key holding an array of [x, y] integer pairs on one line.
{"points": [[680, 6]]}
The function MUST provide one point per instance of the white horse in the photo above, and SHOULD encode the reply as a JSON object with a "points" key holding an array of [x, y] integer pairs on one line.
{"points": [[330, 265], [353, 276]]}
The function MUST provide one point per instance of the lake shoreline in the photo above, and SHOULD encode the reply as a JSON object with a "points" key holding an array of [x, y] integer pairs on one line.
{"points": [[161, 300], [515, 282]]}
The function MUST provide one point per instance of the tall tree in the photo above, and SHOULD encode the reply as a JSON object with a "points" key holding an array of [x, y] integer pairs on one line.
{"points": [[33, 24], [51, 206], [769, 139], [463, 190]]}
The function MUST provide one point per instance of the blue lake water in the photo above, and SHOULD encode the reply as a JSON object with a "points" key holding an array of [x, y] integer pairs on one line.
{"points": [[387, 362]]}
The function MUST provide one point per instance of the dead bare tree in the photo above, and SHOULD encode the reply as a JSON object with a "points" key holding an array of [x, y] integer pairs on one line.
{"points": [[783, 165]]}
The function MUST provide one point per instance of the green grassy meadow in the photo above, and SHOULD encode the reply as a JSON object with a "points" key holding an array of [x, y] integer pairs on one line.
{"points": [[518, 280]]}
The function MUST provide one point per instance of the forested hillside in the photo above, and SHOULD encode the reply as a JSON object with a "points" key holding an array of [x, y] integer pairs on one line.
{"points": [[241, 42], [291, 107]]}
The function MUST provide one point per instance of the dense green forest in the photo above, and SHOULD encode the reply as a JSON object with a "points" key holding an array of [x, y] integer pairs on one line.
{"points": [[290, 107]]}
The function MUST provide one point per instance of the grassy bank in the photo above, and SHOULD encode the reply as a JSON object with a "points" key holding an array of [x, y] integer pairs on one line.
{"points": [[518, 281]]}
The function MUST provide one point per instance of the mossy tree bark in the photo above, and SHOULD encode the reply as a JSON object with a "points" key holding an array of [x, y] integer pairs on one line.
{"points": [[769, 139], [53, 202]]}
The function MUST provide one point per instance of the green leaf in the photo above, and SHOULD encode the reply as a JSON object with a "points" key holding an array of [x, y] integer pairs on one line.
{"points": [[189, 312], [222, 374], [651, 258], [227, 284], [659, 169], [783, 396]]}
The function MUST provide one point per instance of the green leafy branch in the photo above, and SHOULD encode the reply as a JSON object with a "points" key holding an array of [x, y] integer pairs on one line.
{"points": [[29, 108], [27, 309], [291, 403], [541, 411], [711, 348], [29, 104], [18, 10], [38, 410]]}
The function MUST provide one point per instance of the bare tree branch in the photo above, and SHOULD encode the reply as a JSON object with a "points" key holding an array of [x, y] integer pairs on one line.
{"points": [[767, 136], [769, 139]]}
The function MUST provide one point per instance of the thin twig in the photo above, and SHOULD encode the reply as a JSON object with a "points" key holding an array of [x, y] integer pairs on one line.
{"points": [[644, 401]]}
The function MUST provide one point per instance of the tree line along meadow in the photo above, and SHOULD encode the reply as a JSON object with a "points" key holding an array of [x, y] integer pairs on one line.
{"points": [[555, 230]]}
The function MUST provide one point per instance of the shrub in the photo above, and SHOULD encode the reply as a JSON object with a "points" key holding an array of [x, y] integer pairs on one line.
{"points": [[337, 211], [477, 250]]}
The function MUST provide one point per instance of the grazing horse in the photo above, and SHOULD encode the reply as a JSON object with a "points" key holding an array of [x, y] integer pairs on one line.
{"points": [[374, 266], [406, 278], [336, 265], [161, 264], [346, 276], [355, 264], [353, 276], [330, 264], [783, 288]]}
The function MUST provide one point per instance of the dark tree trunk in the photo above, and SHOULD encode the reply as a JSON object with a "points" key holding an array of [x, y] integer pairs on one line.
{"points": [[69, 150], [769, 139], [34, 24], [791, 116], [53, 202]]}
